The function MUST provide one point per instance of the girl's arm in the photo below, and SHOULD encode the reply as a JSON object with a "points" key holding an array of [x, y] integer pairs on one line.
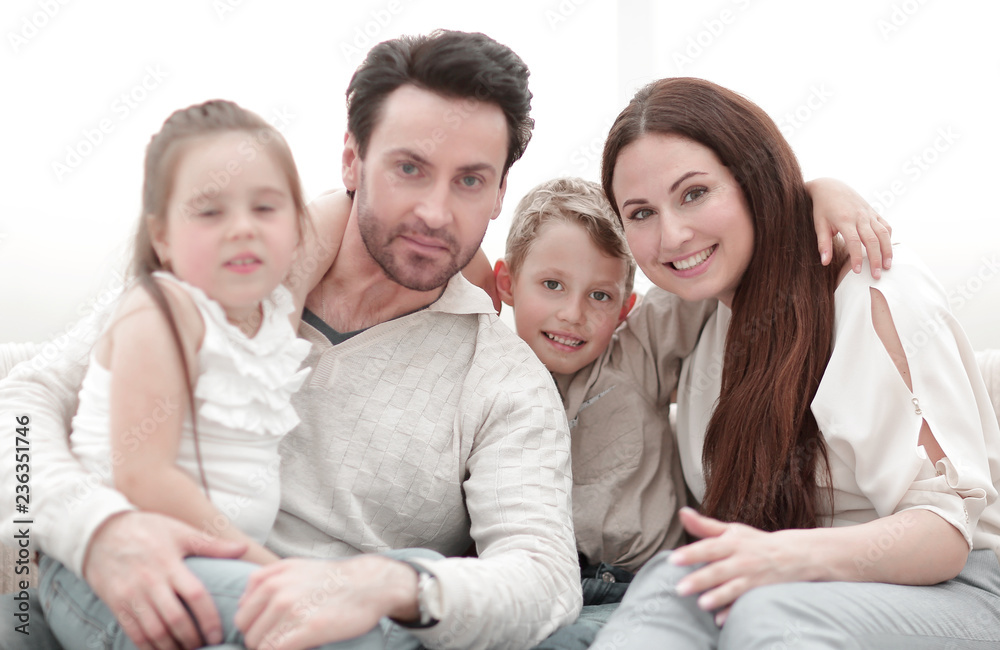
{"points": [[148, 408], [839, 209]]}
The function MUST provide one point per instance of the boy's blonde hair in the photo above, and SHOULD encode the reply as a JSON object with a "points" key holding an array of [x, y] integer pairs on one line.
{"points": [[571, 200]]}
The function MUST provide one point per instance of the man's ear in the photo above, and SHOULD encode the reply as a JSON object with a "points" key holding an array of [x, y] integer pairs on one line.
{"points": [[500, 194], [627, 307], [350, 163], [504, 281]]}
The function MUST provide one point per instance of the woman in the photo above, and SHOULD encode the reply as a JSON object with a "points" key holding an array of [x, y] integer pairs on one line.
{"points": [[839, 423]]}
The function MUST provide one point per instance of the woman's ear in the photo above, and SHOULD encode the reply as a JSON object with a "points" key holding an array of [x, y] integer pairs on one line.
{"points": [[504, 281]]}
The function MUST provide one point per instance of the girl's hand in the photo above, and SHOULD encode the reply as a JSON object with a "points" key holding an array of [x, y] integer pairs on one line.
{"points": [[738, 558], [839, 209]]}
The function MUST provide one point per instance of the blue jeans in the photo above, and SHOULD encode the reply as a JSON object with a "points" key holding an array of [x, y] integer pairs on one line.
{"points": [[81, 621], [604, 586]]}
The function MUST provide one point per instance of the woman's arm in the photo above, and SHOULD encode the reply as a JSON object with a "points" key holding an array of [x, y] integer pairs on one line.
{"points": [[839, 209], [912, 547], [145, 435]]}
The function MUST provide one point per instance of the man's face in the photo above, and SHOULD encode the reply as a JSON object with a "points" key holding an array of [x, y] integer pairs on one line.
{"points": [[430, 183]]}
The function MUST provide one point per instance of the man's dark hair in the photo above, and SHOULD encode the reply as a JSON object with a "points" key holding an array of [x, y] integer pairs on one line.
{"points": [[452, 64]]}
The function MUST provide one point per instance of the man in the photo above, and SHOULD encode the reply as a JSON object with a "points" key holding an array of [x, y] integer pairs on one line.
{"points": [[425, 422]]}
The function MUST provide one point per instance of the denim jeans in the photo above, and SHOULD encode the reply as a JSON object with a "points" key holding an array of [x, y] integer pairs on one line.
{"points": [[603, 588], [604, 584], [81, 621]]}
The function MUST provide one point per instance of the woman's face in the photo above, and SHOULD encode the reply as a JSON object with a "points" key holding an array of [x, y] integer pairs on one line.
{"points": [[685, 216]]}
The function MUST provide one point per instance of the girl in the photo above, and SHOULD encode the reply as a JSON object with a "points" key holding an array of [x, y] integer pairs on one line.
{"points": [[194, 373], [827, 482]]}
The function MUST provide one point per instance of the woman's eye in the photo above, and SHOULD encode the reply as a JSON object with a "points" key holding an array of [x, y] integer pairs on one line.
{"points": [[695, 194], [600, 295], [640, 215], [551, 284]]}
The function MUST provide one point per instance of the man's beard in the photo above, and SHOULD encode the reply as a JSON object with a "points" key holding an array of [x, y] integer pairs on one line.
{"points": [[413, 271]]}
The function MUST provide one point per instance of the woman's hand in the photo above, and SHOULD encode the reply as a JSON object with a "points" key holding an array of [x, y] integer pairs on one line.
{"points": [[839, 209], [738, 558]]}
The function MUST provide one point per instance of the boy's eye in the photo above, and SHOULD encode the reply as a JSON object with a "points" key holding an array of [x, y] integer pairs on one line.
{"points": [[209, 212], [552, 285], [694, 194], [600, 295], [264, 208]]}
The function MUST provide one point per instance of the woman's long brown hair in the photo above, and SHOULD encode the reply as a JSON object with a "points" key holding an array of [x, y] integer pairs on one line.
{"points": [[763, 450]]}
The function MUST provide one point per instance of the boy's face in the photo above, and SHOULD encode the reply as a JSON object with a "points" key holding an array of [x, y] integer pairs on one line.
{"points": [[568, 297]]}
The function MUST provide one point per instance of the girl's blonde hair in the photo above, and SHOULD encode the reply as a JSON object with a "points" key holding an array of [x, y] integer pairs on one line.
{"points": [[163, 154]]}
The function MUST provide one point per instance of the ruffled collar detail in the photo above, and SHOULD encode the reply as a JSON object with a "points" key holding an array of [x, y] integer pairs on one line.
{"points": [[247, 383]]}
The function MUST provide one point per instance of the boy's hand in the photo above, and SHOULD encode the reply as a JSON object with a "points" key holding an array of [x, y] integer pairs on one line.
{"points": [[839, 209], [135, 564]]}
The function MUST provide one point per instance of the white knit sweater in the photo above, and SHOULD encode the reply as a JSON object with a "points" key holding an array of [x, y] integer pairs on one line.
{"points": [[433, 429]]}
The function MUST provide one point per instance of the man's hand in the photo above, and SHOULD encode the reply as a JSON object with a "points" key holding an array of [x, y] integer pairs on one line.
{"points": [[135, 564], [296, 604]]}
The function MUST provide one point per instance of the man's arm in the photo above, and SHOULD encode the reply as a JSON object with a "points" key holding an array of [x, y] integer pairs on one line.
{"points": [[132, 560]]}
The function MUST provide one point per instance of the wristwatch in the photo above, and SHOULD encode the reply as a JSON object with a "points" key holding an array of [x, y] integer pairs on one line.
{"points": [[428, 597]]}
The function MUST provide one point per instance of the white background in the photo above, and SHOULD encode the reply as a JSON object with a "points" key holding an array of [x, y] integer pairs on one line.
{"points": [[861, 87]]}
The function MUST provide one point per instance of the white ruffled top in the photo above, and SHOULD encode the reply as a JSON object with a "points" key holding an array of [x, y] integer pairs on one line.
{"points": [[247, 383], [243, 401]]}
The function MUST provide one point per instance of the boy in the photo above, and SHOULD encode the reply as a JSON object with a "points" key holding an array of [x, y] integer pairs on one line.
{"points": [[568, 274]]}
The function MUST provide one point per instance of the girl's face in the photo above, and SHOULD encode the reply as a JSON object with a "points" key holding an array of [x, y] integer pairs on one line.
{"points": [[686, 220], [231, 227]]}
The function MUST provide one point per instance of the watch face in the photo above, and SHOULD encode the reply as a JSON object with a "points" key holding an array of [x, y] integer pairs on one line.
{"points": [[429, 599]]}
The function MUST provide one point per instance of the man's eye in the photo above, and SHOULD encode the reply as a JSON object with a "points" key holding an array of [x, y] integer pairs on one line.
{"points": [[470, 181], [408, 168]]}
